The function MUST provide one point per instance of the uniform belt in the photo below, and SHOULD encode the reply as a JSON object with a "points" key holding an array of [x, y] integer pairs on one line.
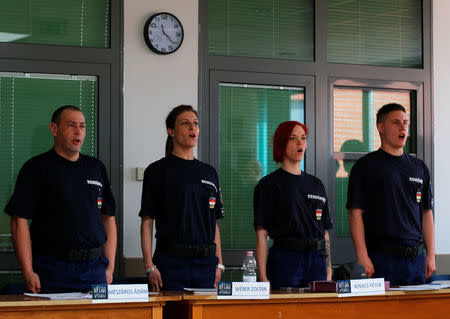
{"points": [[70, 255], [398, 250], [299, 244], [183, 250]]}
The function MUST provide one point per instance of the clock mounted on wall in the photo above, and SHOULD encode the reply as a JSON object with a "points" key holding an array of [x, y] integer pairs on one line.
{"points": [[163, 33]]}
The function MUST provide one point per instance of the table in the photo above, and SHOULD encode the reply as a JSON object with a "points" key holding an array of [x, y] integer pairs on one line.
{"points": [[21, 307], [395, 304]]}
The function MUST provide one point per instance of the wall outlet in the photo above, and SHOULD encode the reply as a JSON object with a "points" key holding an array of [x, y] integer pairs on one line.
{"points": [[140, 173]]}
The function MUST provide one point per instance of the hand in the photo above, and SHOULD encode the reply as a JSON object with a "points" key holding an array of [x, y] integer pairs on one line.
{"points": [[155, 280], [218, 276], [368, 266], [32, 282], [329, 273], [162, 29], [263, 278], [109, 276], [430, 265]]}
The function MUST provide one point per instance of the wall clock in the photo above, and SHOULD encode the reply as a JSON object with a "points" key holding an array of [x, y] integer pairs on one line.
{"points": [[163, 33]]}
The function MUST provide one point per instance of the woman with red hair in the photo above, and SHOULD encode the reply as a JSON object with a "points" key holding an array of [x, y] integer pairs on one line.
{"points": [[291, 207]]}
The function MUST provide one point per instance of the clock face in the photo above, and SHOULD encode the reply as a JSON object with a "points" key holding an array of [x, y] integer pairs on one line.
{"points": [[163, 33]]}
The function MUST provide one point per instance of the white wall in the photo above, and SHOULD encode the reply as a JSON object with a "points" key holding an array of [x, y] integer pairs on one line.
{"points": [[153, 84], [441, 102]]}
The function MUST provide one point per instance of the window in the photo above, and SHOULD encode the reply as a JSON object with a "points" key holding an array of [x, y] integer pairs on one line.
{"points": [[264, 28], [249, 112], [355, 134], [82, 23], [357, 55], [27, 102], [70, 54], [249, 116], [375, 32]]}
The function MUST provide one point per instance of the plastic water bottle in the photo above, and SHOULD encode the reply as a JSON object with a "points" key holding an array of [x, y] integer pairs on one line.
{"points": [[249, 267]]}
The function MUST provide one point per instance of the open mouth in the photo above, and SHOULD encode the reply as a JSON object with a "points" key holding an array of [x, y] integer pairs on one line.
{"points": [[300, 150], [402, 136], [192, 135]]}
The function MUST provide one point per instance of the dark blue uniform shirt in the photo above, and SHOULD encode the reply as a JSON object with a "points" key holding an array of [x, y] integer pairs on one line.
{"points": [[289, 205], [184, 198], [65, 201], [392, 191]]}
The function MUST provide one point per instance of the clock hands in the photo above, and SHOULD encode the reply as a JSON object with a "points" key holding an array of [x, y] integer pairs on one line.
{"points": [[162, 29]]}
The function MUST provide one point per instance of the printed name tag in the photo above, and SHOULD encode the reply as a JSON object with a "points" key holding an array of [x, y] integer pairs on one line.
{"points": [[119, 293], [243, 290], [361, 287]]}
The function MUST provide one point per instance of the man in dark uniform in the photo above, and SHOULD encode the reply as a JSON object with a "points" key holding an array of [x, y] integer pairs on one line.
{"points": [[389, 205], [72, 240]]}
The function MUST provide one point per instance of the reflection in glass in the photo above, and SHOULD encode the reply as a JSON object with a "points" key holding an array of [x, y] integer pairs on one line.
{"points": [[355, 117], [249, 116]]}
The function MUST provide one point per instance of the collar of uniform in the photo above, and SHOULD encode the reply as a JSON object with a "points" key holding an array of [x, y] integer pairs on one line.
{"points": [[63, 160]]}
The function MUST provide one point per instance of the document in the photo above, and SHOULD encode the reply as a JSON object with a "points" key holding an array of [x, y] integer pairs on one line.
{"points": [[431, 286], [202, 291], [62, 296]]}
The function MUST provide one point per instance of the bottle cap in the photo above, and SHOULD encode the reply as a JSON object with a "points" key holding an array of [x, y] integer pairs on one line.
{"points": [[249, 253]]}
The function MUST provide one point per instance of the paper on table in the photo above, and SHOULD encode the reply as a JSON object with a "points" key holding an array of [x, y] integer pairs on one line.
{"points": [[62, 296], [202, 291], [432, 286]]}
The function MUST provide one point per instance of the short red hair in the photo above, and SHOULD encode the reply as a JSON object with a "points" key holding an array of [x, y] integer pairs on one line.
{"points": [[281, 137]]}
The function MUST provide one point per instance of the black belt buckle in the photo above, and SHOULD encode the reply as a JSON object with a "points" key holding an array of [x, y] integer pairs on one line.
{"points": [[198, 251], [411, 251], [76, 254], [317, 245], [83, 254], [202, 251], [183, 250]]}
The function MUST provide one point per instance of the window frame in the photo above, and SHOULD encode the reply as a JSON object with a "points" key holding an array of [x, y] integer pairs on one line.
{"points": [[342, 243], [107, 65], [210, 142], [323, 72]]}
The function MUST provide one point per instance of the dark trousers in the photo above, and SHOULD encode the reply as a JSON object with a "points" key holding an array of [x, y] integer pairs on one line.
{"points": [[178, 273], [398, 270], [287, 268], [63, 276]]}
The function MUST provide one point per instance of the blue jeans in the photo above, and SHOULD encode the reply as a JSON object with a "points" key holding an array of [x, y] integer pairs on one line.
{"points": [[287, 268], [57, 275], [178, 273], [398, 270]]}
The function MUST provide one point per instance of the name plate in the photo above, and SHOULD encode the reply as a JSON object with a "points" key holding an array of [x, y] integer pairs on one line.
{"points": [[119, 293], [361, 287], [243, 290]]}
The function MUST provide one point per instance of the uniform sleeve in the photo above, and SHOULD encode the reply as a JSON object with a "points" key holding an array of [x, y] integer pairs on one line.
{"points": [[357, 193], [220, 213], [263, 205], [327, 222], [23, 201], [151, 192], [108, 201], [427, 199]]}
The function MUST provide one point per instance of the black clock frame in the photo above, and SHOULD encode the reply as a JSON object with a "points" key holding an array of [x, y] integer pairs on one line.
{"points": [[147, 37]]}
